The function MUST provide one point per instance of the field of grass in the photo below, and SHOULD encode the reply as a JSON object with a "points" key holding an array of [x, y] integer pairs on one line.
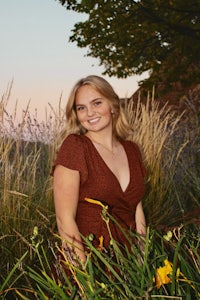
{"points": [[169, 266]]}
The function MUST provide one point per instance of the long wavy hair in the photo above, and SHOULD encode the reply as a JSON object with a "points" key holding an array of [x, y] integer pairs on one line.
{"points": [[121, 127]]}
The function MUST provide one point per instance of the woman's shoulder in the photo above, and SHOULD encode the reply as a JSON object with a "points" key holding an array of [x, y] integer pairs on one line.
{"points": [[72, 138], [71, 154], [131, 144], [133, 148], [70, 143]]}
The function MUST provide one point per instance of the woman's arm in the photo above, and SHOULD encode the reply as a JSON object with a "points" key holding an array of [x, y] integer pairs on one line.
{"points": [[140, 220], [66, 192]]}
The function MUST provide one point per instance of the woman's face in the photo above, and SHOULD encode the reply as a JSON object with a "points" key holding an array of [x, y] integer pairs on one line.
{"points": [[93, 110]]}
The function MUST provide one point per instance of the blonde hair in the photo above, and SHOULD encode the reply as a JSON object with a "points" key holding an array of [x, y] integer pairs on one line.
{"points": [[121, 127]]}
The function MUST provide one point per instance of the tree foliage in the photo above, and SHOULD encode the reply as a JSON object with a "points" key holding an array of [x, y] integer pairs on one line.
{"points": [[130, 37]]}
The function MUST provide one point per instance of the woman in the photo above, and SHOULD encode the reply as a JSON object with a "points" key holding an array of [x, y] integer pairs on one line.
{"points": [[97, 161]]}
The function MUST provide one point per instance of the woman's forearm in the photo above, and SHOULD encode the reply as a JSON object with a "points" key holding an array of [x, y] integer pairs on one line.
{"points": [[71, 238], [140, 220]]}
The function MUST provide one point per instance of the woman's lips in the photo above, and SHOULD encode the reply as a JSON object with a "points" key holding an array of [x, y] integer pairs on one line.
{"points": [[93, 121]]}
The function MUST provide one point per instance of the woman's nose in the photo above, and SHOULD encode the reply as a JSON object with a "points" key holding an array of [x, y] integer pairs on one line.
{"points": [[90, 111]]}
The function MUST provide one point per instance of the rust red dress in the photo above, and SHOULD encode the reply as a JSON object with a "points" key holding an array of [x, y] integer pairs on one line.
{"points": [[98, 182]]}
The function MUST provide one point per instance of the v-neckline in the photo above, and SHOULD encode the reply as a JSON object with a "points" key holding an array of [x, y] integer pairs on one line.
{"points": [[108, 168]]}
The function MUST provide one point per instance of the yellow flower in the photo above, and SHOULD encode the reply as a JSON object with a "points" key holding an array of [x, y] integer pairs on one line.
{"points": [[168, 236], [94, 202], [100, 247], [162, 274]]}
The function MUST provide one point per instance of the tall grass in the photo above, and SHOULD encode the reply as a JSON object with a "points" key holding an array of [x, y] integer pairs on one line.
{"points": [[153, 126], [170, 142], [26, 153], [170, 146]]}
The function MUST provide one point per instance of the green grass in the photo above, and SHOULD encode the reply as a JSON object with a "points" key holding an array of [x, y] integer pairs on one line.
{"points": [[29, 244], [122, 275]]}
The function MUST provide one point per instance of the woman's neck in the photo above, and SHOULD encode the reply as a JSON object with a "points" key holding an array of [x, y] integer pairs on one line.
{"points": [[108, 142]]}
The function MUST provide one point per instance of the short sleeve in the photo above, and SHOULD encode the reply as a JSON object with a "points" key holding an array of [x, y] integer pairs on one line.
{"points": [[72, 155]]}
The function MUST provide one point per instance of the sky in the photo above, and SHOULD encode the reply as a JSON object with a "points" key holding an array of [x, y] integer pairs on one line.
{"points": [[36, 54]]}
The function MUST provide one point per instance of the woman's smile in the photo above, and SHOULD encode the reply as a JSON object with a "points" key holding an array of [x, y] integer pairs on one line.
{"points": [[94, 121], [93, 109]]}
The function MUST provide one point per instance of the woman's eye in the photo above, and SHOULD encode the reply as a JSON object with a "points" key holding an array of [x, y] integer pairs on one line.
{"points": [[79, 108], [97, 103]]}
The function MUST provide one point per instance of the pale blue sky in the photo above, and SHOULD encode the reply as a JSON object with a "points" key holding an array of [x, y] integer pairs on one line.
{"points": [[35, 52]]}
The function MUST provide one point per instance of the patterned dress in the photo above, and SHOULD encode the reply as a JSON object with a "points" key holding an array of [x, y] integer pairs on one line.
{"points": [[98, 182]]}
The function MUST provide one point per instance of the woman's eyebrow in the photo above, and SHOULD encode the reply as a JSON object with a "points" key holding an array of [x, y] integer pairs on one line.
{"points": [[93, 100], [99, 98]]}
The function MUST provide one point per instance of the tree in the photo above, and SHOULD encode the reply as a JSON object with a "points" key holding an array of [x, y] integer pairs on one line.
{"points": [[130, 37]]}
